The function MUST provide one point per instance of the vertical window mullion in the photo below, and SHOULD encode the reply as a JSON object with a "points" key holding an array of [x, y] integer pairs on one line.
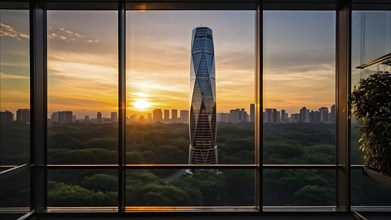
{"points": [[343, 88], [38, 105], [259, 103], [121, 104]]}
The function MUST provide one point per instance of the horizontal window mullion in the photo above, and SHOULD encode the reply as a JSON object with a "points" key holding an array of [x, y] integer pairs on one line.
{"points": [[80, 166], [14, 171], [151, 166], [299, 166], [192, 166]]}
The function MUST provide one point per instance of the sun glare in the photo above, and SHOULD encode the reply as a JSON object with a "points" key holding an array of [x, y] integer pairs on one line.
{"points": [[142, 104]]}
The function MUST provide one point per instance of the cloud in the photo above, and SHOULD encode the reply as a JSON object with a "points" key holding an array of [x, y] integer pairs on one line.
{"points": [[9, 31], [292, 88], [82, 80], [305, 58], [54, 33], [63, 34], [12, 76]]}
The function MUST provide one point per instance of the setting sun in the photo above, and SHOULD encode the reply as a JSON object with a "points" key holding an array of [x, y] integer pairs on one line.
{"points": [[142, 104]]}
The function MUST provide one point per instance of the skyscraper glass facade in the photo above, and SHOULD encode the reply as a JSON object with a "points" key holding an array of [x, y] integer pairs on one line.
{"points": [[203, 148]]}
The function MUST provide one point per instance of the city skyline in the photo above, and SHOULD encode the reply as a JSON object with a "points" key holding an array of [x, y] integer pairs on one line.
{"points": [[235, 115]]}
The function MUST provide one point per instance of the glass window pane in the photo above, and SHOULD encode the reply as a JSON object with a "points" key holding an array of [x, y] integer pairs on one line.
{"points": [[15, 193], [74, 188], [14, 87], [169, 187], [371, 39], [14, 112], [367, 192], [190, 86], [299, 187], [82, 86], [299, 87]]}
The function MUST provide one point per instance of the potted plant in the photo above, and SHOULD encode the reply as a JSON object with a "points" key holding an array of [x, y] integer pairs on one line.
{"points": [[371, 105]]}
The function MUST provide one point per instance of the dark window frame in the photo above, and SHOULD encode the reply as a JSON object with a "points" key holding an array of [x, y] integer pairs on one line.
{"points": [[38, 72]]}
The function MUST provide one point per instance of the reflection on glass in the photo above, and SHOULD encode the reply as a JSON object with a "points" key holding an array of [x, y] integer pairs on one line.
{"points": [[160, 62], [300, 187], [299, 87], [14, 87], [15, 192], [371, 39], [171, 187], [73, 188], [82, 87], [366, 192]]}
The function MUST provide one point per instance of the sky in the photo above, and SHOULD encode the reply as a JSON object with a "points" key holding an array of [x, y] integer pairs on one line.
{"points": [[299, 60], [159, 47], [14, 61]]}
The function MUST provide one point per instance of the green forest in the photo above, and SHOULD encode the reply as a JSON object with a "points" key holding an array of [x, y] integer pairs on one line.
{"points": [[283, 143]]}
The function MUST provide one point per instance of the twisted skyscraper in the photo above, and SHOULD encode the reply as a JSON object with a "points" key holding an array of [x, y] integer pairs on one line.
{"points": [[202, 127]]}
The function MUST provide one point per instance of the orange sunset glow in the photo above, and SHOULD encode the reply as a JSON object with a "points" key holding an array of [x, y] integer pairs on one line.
{"points": [[83, 68]]}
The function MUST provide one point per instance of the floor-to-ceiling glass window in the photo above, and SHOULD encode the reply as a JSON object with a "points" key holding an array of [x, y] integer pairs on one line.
{"points": [[190, 100], [299, 107], [82, 106], [371, 41], [14, 111]]}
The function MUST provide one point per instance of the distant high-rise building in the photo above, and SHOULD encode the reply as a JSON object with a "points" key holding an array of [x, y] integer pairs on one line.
{"points": [[222, 117], [243, 115], [317, 117], [203, 148], [324, 114], [23, 115], [332, 114], [114, 117], [6, 117], [73, 118], [234, 115], [295, 117], [86, 118], [269, 115], [304, 115], [166, 116], [276, 116], [149, 118], [65, 116], [184, 116], [99, 117], [174, 116], [54, 117], [283, 115], [252, 112], [312, 117], [157, 115]]}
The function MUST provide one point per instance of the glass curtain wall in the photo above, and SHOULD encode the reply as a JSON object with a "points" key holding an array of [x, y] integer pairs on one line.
{"points": [[190, 91]]}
